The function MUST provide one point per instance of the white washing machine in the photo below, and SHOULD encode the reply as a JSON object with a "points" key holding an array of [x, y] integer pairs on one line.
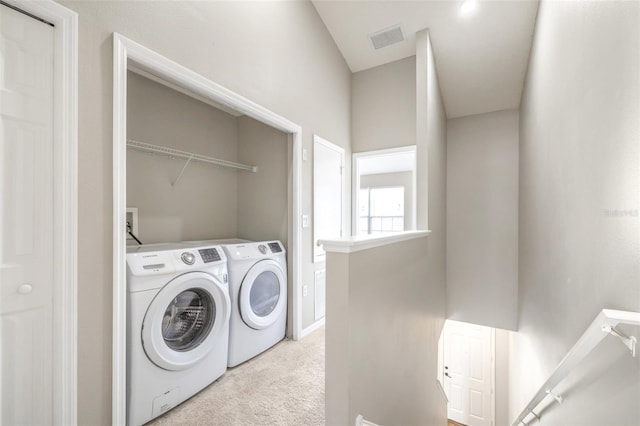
{"points": [[178, 311], [258, 290]]}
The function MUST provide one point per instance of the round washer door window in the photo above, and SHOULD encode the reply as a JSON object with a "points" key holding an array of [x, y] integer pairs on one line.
{"points": [[185, 321], [188, 319], [263, 294]]}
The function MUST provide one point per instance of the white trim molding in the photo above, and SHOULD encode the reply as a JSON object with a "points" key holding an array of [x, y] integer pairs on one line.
{"points": [[319, 254], [129, 55], [312, 327], [65, 214], [363, 242], [361, 421]]}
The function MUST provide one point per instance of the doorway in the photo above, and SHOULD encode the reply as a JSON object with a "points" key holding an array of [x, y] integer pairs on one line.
{"points": [[38, 213], [467, 372], [131, 56], [328, 193]]}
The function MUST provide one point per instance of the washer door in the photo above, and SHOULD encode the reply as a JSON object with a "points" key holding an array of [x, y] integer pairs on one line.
{"points": [[263, 294], [185, 321]]}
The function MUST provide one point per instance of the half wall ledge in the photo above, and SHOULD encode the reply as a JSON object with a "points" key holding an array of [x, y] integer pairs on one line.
{"points": [[363, 242]]}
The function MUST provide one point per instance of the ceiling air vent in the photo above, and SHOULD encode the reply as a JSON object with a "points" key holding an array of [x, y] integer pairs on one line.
{"points": [[387, 37]]}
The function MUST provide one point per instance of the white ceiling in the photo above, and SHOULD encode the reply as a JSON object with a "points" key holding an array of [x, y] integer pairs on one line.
{"points": [[481, 59]]}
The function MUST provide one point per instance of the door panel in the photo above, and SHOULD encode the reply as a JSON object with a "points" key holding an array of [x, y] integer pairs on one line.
{"points": [[468, 364], [26, 218]]}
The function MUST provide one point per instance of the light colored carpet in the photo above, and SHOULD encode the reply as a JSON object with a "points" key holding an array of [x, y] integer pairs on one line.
{"points": [[283, 386]]}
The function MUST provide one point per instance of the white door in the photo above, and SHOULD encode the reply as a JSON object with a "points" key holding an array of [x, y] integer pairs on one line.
{"points": [[26, 219], [468, 373], [328, 193]]}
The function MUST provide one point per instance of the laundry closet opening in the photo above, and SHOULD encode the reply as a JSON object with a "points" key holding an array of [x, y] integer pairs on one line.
{"points": [[176, 198], [194, 164]]}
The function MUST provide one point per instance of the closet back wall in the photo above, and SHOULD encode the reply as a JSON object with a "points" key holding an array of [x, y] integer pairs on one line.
{"points": [[263, 197], [203, 204]]}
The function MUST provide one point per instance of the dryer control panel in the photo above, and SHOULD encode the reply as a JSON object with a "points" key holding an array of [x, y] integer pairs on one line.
{"points": [[254, 250]]}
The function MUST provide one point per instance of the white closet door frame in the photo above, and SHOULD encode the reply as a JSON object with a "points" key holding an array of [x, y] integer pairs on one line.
{"points": [[65, 221], [129, 55]]}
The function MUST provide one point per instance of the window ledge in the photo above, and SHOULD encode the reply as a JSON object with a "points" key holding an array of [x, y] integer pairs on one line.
{"points": [[363, 242]]}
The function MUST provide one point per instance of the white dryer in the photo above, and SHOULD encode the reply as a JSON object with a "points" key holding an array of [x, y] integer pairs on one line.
{"points": [[258, 290], [178, 325]]}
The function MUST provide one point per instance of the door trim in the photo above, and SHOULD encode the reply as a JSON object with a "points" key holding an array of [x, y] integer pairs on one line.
{"points": [[128, 54], [65, 217], [319, 255]]}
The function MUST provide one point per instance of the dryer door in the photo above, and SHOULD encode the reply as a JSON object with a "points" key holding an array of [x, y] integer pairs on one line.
{"points": [[185, 321], [263, 294]]}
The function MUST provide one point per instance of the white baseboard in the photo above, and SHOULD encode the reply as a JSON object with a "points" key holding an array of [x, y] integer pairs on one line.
{"points": [[442, 392], [360, 421], [313, 327]]}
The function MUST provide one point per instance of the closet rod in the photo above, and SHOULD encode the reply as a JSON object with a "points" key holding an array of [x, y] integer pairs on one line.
{"points": [[176, 153]]}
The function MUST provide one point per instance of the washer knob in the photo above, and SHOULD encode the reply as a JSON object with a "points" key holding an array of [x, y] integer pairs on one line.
{"points": [[188, 258], [262, 248]]}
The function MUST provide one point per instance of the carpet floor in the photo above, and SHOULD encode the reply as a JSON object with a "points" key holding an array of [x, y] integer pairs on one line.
{"points": [[282, 386]]}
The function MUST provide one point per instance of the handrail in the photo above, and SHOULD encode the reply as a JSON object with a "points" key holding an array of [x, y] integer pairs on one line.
{"points": [[603, 325]]}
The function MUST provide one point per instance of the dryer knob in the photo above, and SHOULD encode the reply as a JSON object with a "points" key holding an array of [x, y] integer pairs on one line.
{"points": [[188, 258]]}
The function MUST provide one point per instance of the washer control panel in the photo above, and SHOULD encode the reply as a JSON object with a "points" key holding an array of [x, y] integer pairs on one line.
{"points": [[209, 255], [153, 260]]}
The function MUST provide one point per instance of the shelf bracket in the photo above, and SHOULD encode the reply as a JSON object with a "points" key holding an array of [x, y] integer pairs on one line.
{"points": [[182, 171], [629, 341], [558, 398]]}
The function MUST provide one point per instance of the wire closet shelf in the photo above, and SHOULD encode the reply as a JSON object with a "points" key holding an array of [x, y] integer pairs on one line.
{"points": [[189, 156]]}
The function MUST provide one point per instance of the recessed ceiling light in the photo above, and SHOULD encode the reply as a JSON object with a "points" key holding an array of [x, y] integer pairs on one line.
{"points": [[468, 7]]}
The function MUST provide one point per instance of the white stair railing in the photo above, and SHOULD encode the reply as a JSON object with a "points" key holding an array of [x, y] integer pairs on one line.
{"points": [[601, 327]]}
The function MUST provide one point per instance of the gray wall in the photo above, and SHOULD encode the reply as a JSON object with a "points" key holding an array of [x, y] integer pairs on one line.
{"points": [[390, 380], [384, 106], [431, 188], [260, 60], [203, 204], [404, 179], [578, 212], [482, 219], [393, 381], [262, 197], [208, 202]]}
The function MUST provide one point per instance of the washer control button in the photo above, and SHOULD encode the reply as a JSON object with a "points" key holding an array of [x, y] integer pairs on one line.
{"points": [[188, 258], [262, 248]]}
